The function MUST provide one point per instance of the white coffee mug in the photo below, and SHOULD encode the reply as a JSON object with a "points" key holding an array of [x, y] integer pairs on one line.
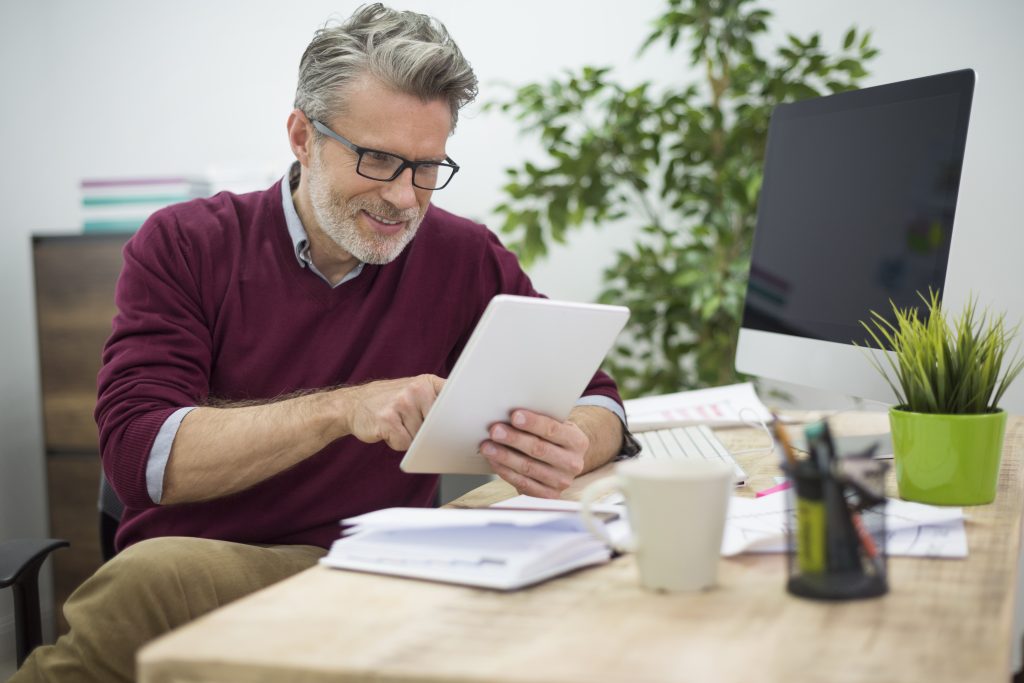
{"points": [[676, 511]]}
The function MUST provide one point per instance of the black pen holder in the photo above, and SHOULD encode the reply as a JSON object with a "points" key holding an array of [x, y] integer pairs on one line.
{"points": [[835, 528]]}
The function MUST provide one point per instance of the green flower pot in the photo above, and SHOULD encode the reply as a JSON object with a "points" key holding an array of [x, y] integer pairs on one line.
{"points": [[947, 459]]}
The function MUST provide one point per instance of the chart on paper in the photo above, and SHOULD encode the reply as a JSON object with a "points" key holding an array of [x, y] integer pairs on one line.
{"points": [[732, 405]]}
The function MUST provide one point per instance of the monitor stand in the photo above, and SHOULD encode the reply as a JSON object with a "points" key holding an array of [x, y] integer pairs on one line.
{"points": [[849, 445]]}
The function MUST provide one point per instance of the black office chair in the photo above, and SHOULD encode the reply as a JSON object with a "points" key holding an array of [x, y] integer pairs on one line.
{"points": [[20, 560], [111, 509]]}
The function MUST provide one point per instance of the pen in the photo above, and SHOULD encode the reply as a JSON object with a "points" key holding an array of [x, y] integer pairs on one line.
{"points": [[841, 541], [819, 444], [865, 537], [783, 439]]}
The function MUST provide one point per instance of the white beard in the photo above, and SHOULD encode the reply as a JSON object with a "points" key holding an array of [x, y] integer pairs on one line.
{"points": [[339, 220]]}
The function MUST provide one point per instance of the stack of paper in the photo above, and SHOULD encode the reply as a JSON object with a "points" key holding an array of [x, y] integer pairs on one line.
{"points": [[758, 525], [491, 548]]}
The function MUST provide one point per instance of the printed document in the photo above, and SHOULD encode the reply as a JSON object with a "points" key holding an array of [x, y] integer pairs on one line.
{"points": [[758, 525], [733, 405]]}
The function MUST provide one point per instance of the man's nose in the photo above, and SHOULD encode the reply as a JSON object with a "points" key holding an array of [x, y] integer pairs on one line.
{"points": [[400, 192]]}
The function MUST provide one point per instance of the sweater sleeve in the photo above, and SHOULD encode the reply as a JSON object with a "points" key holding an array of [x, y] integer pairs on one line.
{"points": [[513, 280], [159, 355]]}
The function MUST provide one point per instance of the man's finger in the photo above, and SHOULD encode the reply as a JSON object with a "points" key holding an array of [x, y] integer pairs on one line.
{"points": [[415, 401], [533, 446], [547, 428], [437, 383], [529, 468], [399, 440], [523, 484]]}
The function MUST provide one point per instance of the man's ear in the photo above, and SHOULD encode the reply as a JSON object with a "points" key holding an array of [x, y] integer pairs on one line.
{"points": [[300, 136]]}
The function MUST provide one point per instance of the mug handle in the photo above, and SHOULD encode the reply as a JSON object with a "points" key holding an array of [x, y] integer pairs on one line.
{"points": [[591, 493]]}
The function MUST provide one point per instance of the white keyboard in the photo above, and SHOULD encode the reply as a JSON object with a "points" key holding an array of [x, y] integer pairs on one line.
{"points": [[687, 443]]}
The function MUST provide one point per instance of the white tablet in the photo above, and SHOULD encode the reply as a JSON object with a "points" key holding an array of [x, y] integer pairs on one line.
{"points": [[525, 352]]}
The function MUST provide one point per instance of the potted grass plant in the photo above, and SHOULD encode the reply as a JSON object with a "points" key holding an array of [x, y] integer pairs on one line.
{"points": [[948, 378]]}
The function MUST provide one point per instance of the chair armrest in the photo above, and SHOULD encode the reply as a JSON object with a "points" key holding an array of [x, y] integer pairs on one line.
{"points": [[22, 555]]}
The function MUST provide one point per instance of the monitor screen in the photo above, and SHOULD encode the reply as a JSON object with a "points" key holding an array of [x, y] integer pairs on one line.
{"points": [[856, 210]]}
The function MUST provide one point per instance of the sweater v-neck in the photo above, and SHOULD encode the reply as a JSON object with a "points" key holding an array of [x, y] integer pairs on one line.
{"points": [[311, 284]]}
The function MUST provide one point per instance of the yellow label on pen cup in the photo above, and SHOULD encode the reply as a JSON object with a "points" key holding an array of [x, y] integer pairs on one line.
{"points": [[810, 525]]}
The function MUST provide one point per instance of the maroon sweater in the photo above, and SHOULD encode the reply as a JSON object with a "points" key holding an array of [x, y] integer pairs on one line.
{"points": [[213, 305]]}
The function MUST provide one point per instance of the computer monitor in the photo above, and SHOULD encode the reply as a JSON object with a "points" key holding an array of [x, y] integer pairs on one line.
{"points": [[856, 209]]}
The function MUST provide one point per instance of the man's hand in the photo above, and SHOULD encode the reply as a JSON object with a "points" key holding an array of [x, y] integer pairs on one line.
{"points": [[538, 455], [390, 410]]}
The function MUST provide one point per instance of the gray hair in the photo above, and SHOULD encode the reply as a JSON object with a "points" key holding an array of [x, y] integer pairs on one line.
{"points": [[409, 52]]}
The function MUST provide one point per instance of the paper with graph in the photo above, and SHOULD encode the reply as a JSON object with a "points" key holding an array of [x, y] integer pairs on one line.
{"points": [[731, 405]]}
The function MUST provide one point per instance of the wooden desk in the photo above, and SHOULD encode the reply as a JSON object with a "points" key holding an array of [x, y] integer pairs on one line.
{"points": [[943, 620]]}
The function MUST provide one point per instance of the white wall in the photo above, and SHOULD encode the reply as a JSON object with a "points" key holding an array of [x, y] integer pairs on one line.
{"points": [[113, 88]]}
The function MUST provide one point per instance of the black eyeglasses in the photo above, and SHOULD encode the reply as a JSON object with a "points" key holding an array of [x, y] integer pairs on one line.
{"points": [[377, 165]]}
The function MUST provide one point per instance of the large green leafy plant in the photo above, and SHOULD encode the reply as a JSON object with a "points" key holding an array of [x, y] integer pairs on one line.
{"points": [[684, 162]]}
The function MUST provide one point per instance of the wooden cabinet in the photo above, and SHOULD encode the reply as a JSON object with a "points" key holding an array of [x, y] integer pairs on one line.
{"points": [[75, 277]]}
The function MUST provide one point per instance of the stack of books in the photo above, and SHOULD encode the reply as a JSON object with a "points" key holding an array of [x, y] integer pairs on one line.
{"points": [[123, 205]]}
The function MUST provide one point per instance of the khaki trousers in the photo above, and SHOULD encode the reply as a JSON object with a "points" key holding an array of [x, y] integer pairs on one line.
{"points": [[147, 590]]}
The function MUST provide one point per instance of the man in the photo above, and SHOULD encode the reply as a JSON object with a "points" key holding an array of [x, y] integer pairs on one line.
{"points": [[274, 352]]}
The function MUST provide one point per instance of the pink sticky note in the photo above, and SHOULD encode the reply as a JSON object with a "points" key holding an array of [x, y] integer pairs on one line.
{"points": [[775, 489]]}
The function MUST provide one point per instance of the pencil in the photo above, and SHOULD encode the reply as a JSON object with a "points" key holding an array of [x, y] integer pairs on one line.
{"points": [[865, 536], [783, 439]]}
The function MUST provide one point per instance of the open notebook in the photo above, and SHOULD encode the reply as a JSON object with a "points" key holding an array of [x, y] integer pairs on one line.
{"points": [[498, 548]]}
